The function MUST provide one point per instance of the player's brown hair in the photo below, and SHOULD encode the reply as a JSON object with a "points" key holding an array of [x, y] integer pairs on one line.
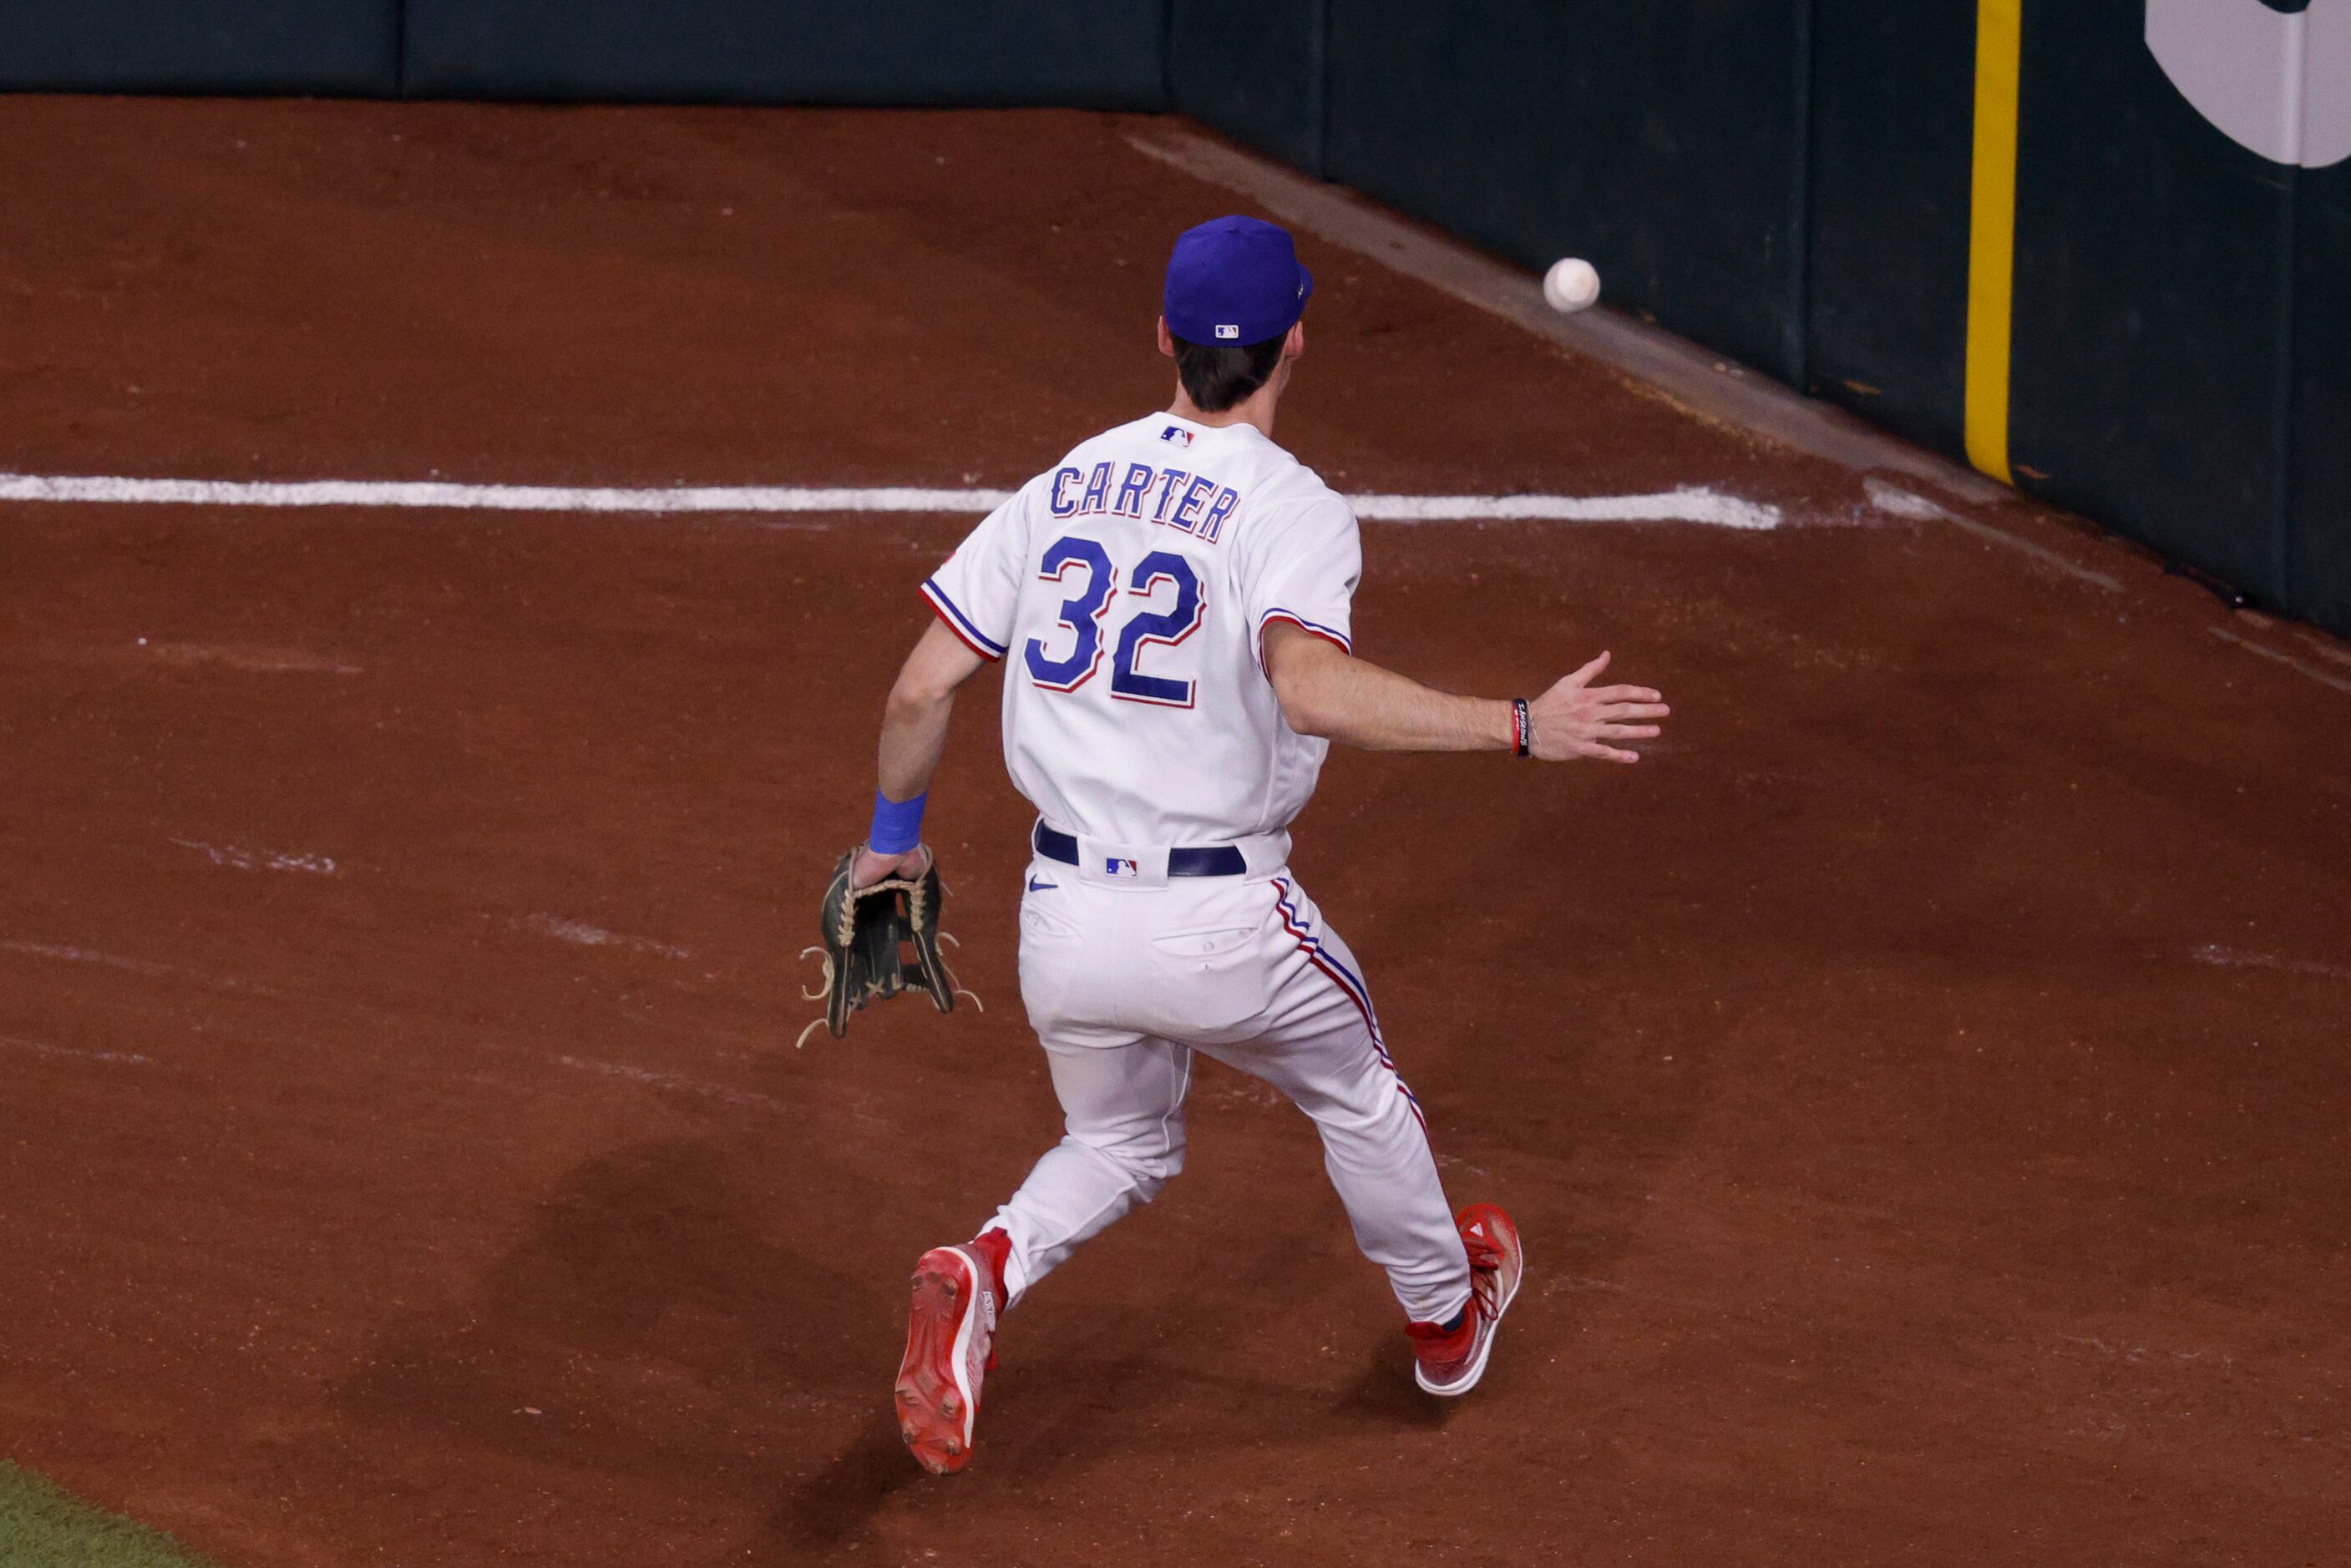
{"points": [[1215, 375]]}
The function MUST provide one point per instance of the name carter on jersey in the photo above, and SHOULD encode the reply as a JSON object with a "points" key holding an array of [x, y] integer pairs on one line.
{"points": [[1191, 504]]}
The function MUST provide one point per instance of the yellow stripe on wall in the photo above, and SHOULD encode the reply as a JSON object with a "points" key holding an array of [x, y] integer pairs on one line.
{"points": [[1991, 234]]}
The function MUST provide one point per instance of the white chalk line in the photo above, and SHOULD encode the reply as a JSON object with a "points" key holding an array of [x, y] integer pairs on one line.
{"points": [[235, 859], [440, 495], [43, 1048], [143, 967], [1689, 505], [196, 656], [580, 933], [1897, 501], [1693, 505], [2288, 659], [2325, 647], [259, 660], [2234, 958], [742, 1099]]}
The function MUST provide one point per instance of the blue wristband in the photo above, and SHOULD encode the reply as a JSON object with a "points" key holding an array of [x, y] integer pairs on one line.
{"points": [[897, 824]]}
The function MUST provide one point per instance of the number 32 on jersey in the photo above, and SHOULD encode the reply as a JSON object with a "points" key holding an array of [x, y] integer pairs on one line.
{"points": [[1083, 566]]}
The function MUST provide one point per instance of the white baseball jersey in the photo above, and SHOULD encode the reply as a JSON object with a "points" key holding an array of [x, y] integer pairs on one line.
{"points": [[1127, 589]]}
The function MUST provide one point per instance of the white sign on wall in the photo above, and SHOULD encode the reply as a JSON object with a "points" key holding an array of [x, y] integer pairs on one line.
{"points": [[2277, 82]]}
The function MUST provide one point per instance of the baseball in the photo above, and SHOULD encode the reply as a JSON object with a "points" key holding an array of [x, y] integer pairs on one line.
{"points": [[1571, 284]]}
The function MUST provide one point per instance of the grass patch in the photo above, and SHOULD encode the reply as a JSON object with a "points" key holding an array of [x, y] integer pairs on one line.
{"points": [[43, 1527]]}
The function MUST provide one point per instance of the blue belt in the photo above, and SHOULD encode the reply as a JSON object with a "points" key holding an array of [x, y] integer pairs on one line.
{"points": [[1224, 860]]}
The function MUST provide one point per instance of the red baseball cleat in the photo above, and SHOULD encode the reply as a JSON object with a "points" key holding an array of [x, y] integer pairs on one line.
{"points": [[950, 1342], [1450, 1363]]}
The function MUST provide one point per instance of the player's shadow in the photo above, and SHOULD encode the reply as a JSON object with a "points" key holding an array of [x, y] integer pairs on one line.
{"points": [[837, 1504], [1386, 1396], [652, 1261]]}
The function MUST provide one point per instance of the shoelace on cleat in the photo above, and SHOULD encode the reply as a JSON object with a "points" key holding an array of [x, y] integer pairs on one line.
{"points": [[1485, 1276]]}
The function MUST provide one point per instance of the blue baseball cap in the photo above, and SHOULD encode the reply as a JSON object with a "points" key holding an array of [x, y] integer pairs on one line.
{"points": [[1234, 280]]}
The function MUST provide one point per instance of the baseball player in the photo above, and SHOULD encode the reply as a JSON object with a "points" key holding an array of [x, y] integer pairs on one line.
{"points": [[1171, 602]]}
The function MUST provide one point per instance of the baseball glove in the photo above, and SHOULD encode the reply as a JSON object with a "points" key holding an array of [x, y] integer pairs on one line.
{"points": [[878, 941]]}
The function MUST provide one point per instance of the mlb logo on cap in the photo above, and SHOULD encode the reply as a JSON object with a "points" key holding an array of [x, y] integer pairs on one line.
{"points": [[1234, 332]]}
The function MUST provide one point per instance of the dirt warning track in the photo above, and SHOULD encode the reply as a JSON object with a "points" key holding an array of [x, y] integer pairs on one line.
{"points": [[1919, 1081]]}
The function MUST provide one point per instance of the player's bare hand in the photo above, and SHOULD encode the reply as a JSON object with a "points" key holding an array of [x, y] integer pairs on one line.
{"points": [[1577, 718], [871, 868]]}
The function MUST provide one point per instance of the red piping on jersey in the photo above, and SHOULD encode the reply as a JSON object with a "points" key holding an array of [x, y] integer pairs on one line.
{"points": [[944, 610], [1324, 632], [1353, 990]]}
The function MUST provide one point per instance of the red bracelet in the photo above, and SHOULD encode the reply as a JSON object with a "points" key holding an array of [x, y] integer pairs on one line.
{"points": [[1522, 729]]}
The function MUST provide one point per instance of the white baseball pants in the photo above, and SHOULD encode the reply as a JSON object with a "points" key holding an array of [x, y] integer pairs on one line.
{"points": [[1125, 978]]}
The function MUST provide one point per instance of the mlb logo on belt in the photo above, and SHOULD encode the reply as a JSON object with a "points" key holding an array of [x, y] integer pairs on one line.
{"points": [[1177, 434], [1118, 868]]}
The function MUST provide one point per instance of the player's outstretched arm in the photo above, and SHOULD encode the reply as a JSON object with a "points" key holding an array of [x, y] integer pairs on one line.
{"points": [[1328, 691], [915, 734]]}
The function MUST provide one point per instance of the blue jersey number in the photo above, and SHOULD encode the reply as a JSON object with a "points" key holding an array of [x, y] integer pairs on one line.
{"points": [[1083, 613], [1166, 628]]}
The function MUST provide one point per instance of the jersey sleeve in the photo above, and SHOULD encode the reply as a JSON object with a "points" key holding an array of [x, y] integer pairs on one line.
{"points": [[1305, 573], [976, 591]]}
